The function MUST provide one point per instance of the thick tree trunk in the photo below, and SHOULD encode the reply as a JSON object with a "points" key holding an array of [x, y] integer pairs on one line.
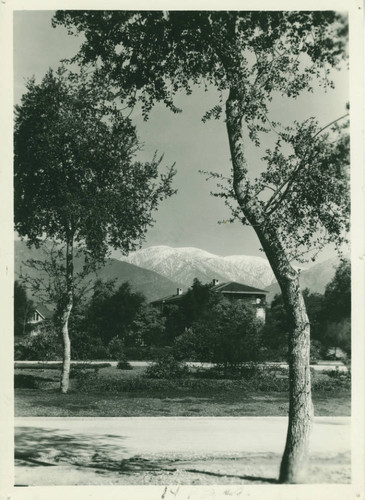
{"points": [[294, 461], [65, 374]]}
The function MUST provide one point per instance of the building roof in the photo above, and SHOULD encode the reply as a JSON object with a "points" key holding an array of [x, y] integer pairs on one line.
{"points": [[225, 288], [234, 287], [169, 298], [43, 311]]}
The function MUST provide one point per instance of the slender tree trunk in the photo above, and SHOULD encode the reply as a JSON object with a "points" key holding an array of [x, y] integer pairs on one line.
{"points": [[25, 319], [65, 374], [294, 461]]}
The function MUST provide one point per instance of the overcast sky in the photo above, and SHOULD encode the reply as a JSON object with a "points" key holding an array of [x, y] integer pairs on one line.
{"points": [[190, 217]]}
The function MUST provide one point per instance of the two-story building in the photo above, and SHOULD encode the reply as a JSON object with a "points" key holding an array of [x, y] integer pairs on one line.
{"points": [[40, 313], [231, 290]]}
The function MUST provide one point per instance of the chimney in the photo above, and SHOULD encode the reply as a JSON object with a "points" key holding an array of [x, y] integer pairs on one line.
{"points": [[215, 282], [179, 291]]}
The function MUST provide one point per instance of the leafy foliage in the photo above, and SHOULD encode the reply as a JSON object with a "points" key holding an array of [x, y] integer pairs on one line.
{"points": [[45, 345], [192, 305], [124, 365], [229, 332], [110, 313], [337, 296], [167, 367], [116, 349], [22, 308], [147, 328], [150, 56], [74, 172], [76, 179], [329, 315]]}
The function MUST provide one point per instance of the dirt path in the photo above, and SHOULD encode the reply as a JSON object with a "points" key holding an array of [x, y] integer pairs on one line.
{"points": [[321, 366], [168, 450]]}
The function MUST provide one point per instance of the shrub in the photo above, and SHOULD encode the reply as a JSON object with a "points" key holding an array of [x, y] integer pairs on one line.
{"points": [[123, 364], [46, 345], [116, 349], [193, 346], [167, 367], [250, 376], [333, 380], [229, 333], [87, 347]]}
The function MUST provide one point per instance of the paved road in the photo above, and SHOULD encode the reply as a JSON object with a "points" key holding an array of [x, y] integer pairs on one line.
{"points": [[170, 450], [323, 366], [179, 436]]}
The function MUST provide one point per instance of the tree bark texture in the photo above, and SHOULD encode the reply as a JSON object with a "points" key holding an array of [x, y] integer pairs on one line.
{"points": [[66, 343], [294, 461]]}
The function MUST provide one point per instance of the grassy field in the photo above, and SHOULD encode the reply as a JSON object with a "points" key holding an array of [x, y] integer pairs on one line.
{"points": [[37, 394]]}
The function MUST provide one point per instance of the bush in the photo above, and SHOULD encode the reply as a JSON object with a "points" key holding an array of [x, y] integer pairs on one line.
{"points": [[46, 345], [227, 333], [190, 346], [87, 347], [116, 349], [123, 364], [250, 376], [167, 367], [333, 380]]}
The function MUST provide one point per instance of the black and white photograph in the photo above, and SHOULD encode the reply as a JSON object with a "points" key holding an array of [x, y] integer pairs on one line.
{"points": [[186, 242]]}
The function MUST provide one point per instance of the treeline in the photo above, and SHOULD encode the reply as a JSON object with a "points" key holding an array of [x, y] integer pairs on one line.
{"points": [[117, 323], [329, 316]]}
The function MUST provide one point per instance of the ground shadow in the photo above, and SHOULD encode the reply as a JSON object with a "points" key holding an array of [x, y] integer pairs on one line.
{"points": [[25, 381], [54, 445], [37, 446]]}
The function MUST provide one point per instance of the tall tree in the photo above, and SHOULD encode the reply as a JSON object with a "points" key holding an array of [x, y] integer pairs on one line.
{"points": [[111, 312], [337, 295], [22, 308], [300, 201], [336, 309], [76, 178]]}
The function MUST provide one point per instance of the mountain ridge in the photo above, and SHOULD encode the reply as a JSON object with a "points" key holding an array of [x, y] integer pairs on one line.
{"points": [[158, 271], [186, 263], [151, 284]]}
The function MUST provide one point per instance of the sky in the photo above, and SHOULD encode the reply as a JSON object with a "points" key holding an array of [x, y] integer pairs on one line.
{"points": [[190, 218]]}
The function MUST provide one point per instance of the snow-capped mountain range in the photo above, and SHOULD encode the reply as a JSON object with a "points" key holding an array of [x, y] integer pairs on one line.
{"points": [[182, 265]]}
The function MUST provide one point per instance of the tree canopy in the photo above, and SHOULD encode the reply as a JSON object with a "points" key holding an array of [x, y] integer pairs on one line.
{"points": [[22, 308], [300, 201], [150, 56], [337, 296], [74, 168]]}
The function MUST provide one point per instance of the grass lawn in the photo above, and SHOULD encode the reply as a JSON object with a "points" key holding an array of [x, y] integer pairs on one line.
{"points": [[151, 399]]}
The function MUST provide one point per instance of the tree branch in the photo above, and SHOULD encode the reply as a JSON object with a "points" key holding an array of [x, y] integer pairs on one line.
{"points": [[289, 181]]}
